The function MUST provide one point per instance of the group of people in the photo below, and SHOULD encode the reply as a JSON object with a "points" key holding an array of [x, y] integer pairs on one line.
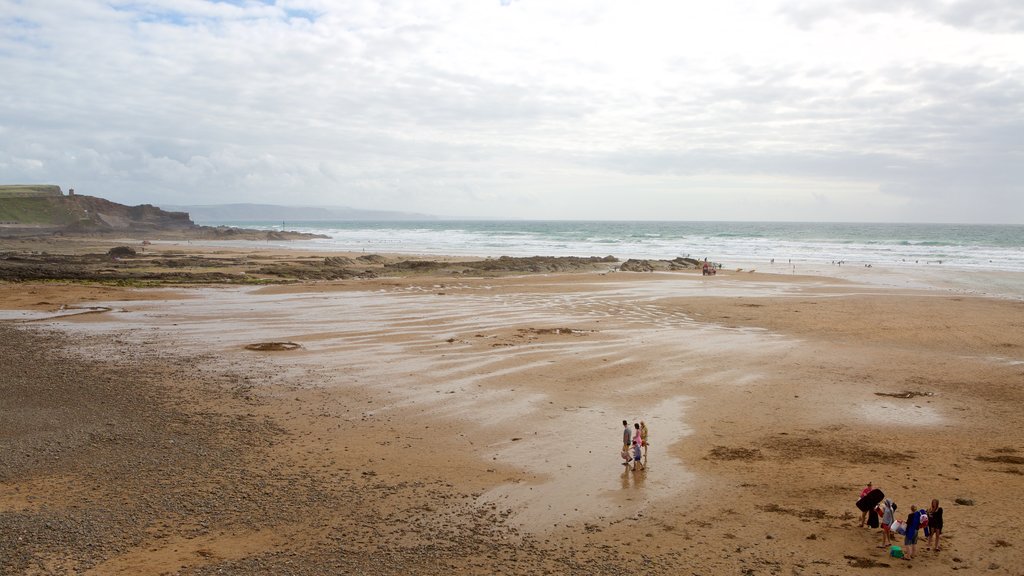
{"points": [[928, 521], [634, 445]]}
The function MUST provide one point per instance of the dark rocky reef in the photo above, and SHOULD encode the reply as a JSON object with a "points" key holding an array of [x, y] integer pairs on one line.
{"points": [[506, 265], [633, 265]]}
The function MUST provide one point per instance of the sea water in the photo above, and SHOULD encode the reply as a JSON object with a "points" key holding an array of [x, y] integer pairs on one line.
{"points": [[952, 246]]}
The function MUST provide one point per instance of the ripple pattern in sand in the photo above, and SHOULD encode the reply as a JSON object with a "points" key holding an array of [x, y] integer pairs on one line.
{"points": [[475, 362]]}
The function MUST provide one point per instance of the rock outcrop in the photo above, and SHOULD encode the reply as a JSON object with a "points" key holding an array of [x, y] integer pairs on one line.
{"points": [[633, 265], [101, 214]]}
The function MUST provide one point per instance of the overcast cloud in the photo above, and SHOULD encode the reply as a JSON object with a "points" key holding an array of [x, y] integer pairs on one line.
{"points": [[857, 110]]}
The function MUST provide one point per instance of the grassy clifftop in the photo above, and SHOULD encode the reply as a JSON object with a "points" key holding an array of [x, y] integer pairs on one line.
{"points": [[34, 190], [48, 210]]}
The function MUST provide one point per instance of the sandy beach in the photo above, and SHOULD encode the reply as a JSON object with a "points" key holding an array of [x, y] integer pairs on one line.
{"points": [[439, 424]]}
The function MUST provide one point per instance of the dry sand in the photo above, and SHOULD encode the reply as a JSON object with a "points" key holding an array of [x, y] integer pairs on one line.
{"points": [[472, 426]]}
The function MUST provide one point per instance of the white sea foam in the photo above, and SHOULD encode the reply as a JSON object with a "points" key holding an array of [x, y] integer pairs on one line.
{"points": [[945, 253]]}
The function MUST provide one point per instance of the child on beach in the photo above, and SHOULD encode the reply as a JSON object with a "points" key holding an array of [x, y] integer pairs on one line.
{"points": [[637, 455], [888, 515], [910, 541], [637, 446]]}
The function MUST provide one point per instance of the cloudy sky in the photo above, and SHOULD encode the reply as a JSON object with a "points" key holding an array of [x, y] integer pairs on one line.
{"points": [[850, 110]]}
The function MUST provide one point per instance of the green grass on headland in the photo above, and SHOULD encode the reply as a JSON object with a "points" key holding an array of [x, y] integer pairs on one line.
{"points": [[42, 210], [29, 190]]}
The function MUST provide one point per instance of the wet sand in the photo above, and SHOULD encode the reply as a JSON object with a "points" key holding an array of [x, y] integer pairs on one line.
{"points": [[471, 425]]}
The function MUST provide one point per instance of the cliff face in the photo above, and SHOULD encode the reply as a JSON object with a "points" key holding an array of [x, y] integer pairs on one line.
{"points": [[85, 214], [89, 215], [100, 214]]}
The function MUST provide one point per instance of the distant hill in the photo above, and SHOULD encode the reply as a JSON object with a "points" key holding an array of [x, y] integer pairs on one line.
{"points": [[274, 213]]}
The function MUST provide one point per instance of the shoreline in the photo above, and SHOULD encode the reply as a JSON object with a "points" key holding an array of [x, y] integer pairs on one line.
{"points": [[486, 411], [235, 262]]}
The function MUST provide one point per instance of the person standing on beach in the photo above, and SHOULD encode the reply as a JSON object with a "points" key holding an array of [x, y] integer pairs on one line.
{"points": [[637, 447], [888, 515], [935, 525], [864, 514], [637, 457], [873, 517], [643, 436], [626, 441], [910, 542]]}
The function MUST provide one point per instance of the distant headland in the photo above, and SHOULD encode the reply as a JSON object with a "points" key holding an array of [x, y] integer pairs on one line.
{"points": [[44, 209]]}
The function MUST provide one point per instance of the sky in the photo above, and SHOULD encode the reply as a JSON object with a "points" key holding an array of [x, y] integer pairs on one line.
{"points": [[844, 110]]}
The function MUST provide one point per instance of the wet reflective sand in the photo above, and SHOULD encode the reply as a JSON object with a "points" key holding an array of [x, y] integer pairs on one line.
{"points": [[770, 401], [536, 381]]}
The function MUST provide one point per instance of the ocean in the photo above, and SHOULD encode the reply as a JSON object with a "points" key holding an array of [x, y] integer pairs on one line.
{"points": [[952, 246]]}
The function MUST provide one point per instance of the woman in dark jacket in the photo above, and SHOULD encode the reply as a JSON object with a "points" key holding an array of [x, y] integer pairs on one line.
{"points": [[935, 525]]}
